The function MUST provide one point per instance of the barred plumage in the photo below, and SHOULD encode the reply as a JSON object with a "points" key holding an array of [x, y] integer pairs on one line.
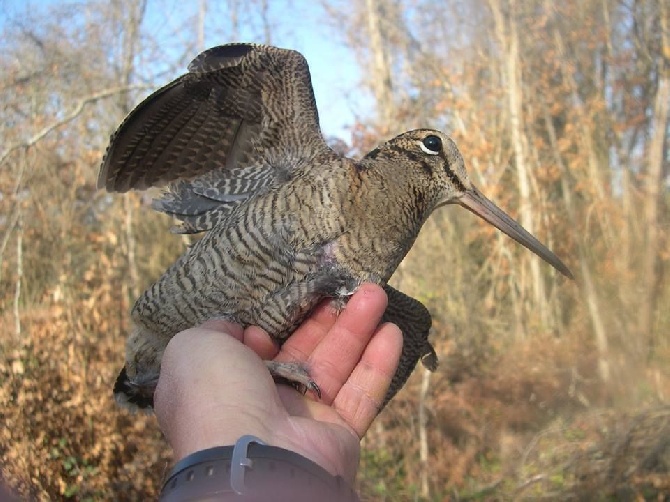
{"points": [[289, 222]]}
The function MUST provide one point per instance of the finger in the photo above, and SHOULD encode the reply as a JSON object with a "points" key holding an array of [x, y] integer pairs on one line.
{"points": [[228, 327], [360, 398], [307, 337], [332, 361], [258, 340], [253, 337]]}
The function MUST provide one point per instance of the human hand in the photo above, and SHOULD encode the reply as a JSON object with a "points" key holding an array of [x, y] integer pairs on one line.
{"points": [[215, 388]]}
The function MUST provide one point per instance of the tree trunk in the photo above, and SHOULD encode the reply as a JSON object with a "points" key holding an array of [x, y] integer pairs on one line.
{"points": [[588, 289], [130, 14], [508, 38], [423, 435], [597, 175], [381, 74], [653, 193], [200, 27]]}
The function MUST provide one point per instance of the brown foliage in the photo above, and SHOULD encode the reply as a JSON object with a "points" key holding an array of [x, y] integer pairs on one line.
{"points": [[537, 422], [62, 434]]}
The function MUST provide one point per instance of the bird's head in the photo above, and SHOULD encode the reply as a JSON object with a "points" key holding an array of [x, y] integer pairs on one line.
{"points": [[440, 166]]}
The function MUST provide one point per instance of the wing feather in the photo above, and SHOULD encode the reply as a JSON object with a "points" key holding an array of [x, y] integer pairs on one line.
{"points": [[243, 117]]}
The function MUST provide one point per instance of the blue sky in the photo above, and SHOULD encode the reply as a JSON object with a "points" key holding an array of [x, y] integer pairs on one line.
{"points": [[295, 24]]}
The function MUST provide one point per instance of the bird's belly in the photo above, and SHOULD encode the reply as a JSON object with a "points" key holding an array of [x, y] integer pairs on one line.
{"points": [[272, 286]]}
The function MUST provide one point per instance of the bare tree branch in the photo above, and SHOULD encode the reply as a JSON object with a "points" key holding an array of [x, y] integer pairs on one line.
{"points": [[74, 113]]}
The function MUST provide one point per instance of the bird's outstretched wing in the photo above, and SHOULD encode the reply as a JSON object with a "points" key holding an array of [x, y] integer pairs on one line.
{"points": [[243, 117]]}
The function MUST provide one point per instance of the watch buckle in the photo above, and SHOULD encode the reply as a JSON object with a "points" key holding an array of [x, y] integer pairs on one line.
{"points": [[241, 461]]}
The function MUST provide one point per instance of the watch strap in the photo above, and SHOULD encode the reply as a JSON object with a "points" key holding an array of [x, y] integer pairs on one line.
{"points": [[253, 471]]}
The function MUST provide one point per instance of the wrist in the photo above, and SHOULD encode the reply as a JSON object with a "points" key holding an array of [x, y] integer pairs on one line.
{"points": [[200, 426], [213, 429], [251, 470], [338, 457]]}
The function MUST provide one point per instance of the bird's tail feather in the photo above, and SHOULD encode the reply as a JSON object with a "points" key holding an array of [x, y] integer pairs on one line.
{"points": [[133, 396]]}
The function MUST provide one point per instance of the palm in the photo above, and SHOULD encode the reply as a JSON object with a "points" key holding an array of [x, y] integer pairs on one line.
{"points": [[213, 389]]}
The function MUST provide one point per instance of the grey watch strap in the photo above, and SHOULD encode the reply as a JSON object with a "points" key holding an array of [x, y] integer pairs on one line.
{"points": [[253, 471]]}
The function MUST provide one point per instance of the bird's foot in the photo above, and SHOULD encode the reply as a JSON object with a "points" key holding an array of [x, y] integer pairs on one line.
{"points": [[295, 374]]}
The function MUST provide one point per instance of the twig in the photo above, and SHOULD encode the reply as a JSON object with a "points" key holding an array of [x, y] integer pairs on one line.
{"points": [[79, 106], [423, 434], [19, 277], [13, 221], [531, 481], [16, 212], [481, 493]]}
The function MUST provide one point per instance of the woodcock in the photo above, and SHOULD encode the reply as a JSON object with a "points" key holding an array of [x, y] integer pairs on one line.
{"points": [[288, 221]]}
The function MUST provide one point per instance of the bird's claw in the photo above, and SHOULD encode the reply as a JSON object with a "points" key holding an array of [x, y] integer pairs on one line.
{"points": [[295, 374]]}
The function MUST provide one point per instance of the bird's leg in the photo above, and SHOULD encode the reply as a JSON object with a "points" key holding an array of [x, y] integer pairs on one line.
{"points": [[294, 374], [347, 287], [336, 284]]}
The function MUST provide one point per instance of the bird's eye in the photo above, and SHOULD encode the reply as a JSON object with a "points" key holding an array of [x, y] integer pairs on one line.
{"points": [[431, 145]]}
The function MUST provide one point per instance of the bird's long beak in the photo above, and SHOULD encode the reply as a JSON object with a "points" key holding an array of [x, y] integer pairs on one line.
{"points": [[476, 202]]}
